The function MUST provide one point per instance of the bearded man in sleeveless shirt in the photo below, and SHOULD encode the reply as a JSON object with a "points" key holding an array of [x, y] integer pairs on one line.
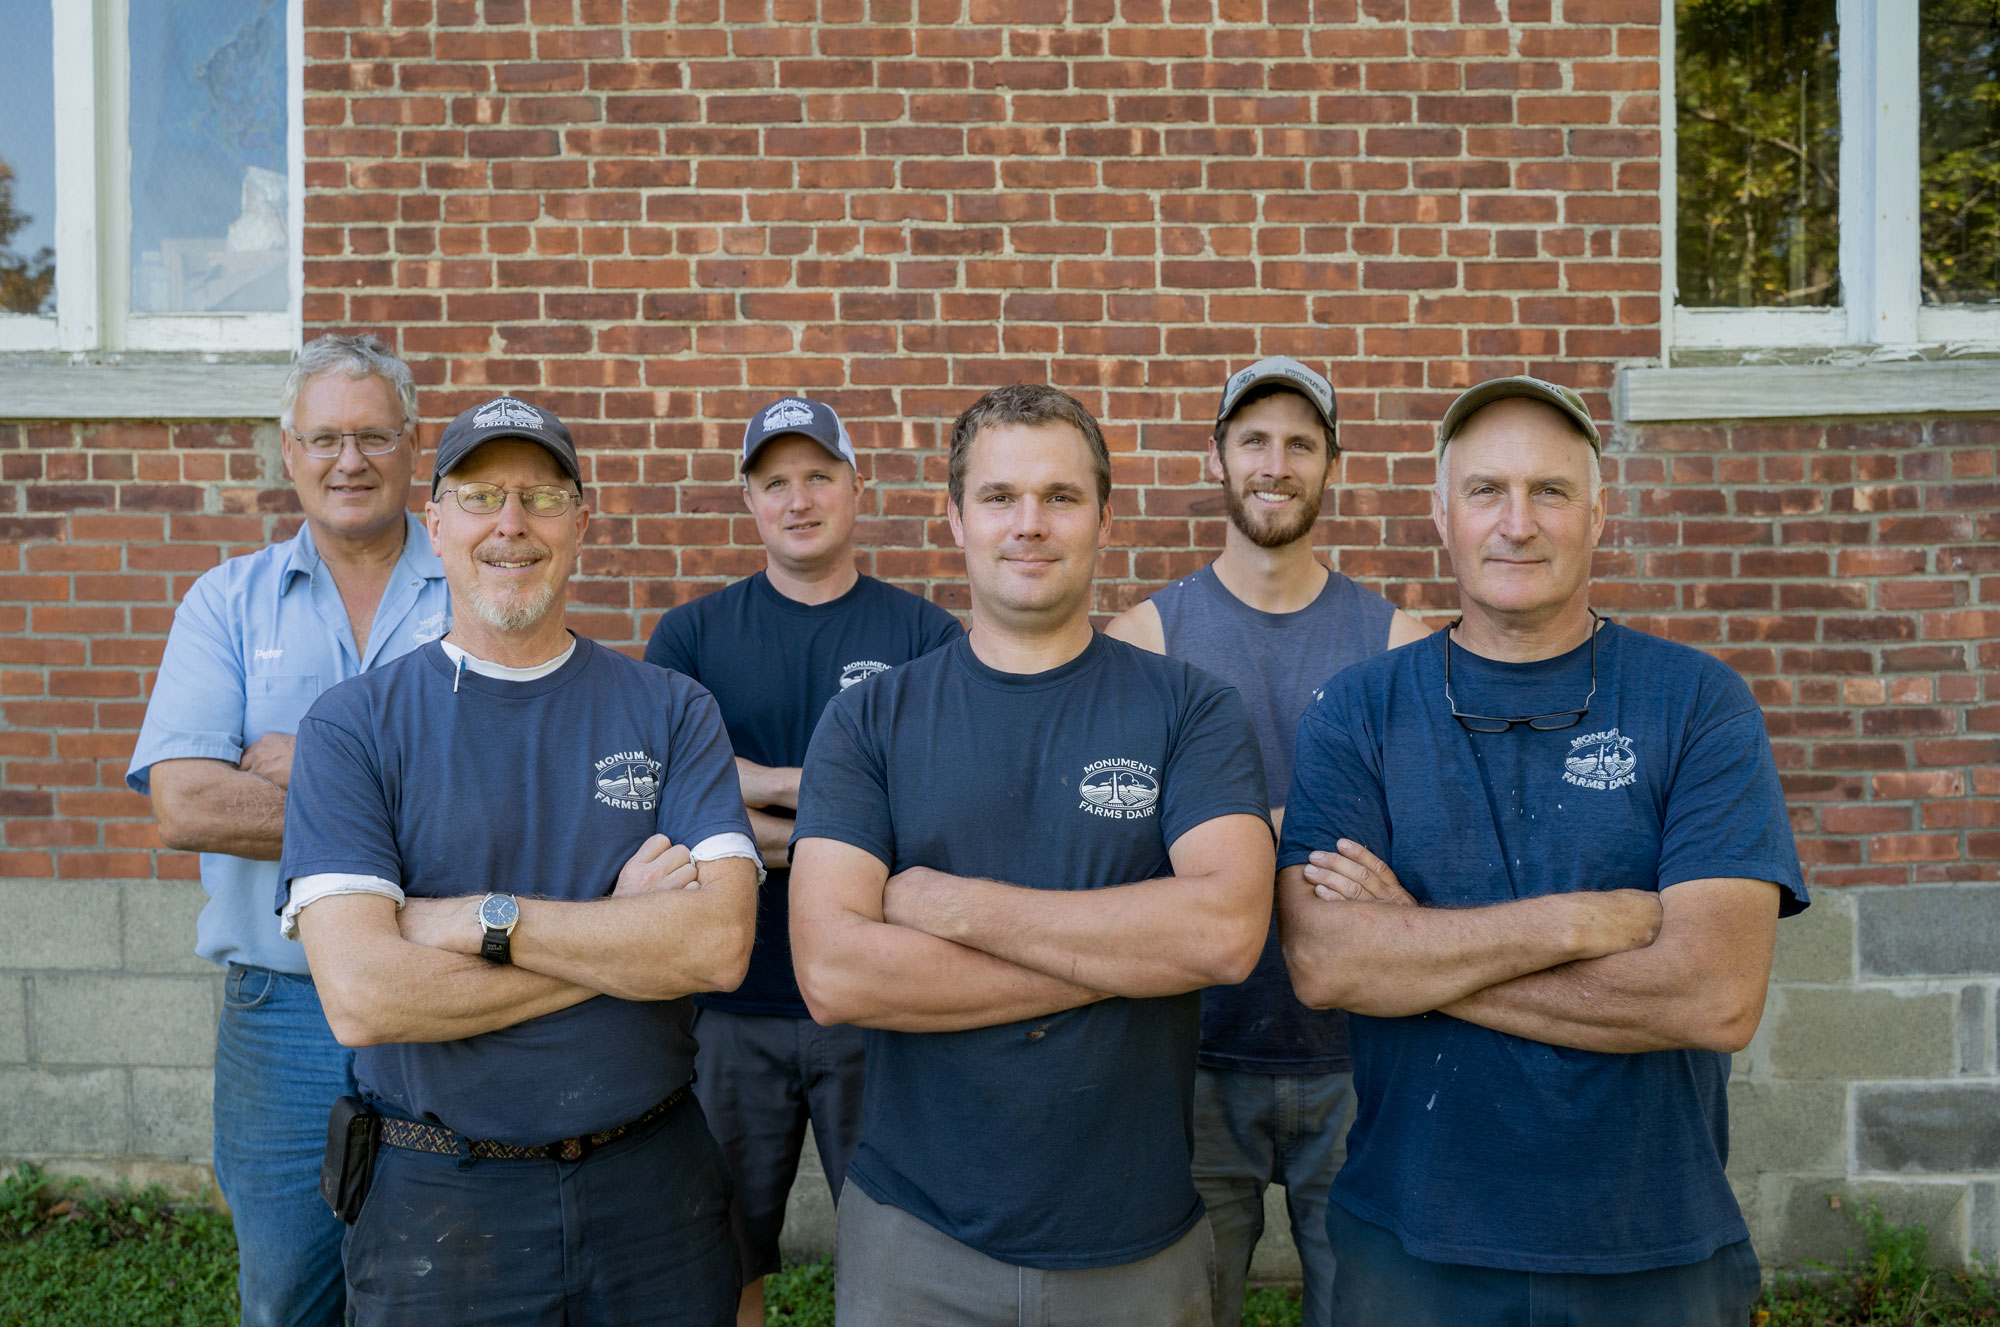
{"points": [[1274, 1087]]}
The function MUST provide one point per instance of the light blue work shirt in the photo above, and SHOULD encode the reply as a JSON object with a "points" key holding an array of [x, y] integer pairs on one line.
{"points": [[252, 646]]}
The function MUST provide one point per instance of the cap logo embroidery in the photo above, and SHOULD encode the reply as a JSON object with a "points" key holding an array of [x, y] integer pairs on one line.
{"points": [[1119, 789], [506, 412], [788, 414], [1600, 760]]}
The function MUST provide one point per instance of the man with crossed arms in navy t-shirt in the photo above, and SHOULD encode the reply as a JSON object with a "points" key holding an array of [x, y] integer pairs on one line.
{"points": [[774, 648], [1017, 861], [1541, 859], [510, 855]]}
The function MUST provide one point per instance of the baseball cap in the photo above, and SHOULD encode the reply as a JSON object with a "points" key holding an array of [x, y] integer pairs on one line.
{"points": [[1534, 389], [795, 414], [1278, 368], [504, 417]]}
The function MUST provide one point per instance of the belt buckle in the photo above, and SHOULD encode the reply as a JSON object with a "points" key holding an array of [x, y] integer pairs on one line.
{"points": [[572, 1149]]}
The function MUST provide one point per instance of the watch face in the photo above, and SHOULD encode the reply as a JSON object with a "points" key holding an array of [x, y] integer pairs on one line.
{"points": [[498, 911]]}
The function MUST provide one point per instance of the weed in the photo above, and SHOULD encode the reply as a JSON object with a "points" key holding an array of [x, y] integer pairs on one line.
{"points": [[1890, 1283]]}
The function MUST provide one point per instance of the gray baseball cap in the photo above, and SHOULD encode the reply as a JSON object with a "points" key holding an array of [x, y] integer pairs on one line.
{"points": [[1278, 368], [504, 417], [1534, 389], [795, 414]]}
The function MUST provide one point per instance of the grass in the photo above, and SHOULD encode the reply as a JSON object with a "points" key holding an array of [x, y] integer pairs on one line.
{"points": [[1891, 1283], [72, 1253]]}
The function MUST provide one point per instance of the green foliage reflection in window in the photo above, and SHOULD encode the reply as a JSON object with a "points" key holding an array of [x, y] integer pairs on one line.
{"points": [[1758, 125], [1959, 79]]}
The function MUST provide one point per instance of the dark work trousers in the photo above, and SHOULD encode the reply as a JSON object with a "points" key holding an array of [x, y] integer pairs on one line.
{"points": [[1378, 1282], [637, 1232]]}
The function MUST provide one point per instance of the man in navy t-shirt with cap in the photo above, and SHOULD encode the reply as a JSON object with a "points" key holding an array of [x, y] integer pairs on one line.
{"points": [[1017, 861], [1540, 859], [773, 649], [511, 855]]}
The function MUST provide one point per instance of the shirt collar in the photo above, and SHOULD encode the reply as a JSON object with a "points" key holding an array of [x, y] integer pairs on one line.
{"points": [[303, 559]]}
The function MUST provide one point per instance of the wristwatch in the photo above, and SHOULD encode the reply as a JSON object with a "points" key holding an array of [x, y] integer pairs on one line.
{"points": [[498, 913]]}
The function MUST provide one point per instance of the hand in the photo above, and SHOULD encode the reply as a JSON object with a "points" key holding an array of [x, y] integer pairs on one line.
{"points": [[767, 785], [659, 864], [1620, 920], [450, 924], [270, 758], [1355, 875], [902, 897]]}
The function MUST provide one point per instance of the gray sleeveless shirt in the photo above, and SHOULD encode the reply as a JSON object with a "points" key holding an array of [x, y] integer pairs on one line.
{"points": [[1276, 660]]}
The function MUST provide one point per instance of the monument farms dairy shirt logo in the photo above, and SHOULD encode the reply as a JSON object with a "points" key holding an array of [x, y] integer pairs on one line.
{"points": [[1600, 760], [628, 780], [860, 671], [1119, 789]]}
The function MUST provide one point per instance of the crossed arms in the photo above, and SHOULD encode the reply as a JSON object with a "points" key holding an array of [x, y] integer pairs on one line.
{"points": [[670, 927], [924, 951], [1620, 970]]}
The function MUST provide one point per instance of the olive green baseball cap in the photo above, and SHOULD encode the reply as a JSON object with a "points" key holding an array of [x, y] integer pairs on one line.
{"points": [[1534, 389]]}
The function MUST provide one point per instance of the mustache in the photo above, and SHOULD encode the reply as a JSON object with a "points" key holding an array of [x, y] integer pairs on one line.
{"points": [[510, 550]]}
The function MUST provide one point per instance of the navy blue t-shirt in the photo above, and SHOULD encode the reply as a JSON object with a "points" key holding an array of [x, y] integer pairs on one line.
{"points": [[1063, 1141], [542, 788], [1475, 1146], [772, 664]]}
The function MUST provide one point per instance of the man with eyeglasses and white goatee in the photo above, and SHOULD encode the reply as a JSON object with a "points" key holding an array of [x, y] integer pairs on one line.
{"points": [[1540, 859], [255, 641], [512, 855]]}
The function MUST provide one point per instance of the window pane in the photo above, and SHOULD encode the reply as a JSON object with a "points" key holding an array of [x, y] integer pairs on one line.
{"points": [[1959, 74], [209, 228], [28, 161], [1758, 124]]}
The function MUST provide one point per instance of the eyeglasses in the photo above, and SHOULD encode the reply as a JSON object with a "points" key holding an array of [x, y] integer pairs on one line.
{"points": [[1548, 723], [371, 442], [487, 499]]}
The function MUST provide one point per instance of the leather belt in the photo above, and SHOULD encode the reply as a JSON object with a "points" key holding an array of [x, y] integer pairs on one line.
{"points": [[414, 1136]]}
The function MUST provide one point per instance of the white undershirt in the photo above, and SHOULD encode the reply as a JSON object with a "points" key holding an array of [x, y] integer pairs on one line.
{"points": [[309, 889]]}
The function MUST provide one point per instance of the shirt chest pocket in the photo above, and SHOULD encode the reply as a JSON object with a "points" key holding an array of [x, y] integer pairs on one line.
{"points": [[274, 703]]}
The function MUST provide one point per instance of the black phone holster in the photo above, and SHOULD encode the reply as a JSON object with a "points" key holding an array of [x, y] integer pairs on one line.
{"points": [[353, 1132]]}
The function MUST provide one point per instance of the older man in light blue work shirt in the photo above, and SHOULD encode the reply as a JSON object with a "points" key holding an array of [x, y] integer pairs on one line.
{"points": [[252, 646]]}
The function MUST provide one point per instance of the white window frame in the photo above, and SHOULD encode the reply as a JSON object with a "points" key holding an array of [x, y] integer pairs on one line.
{"points": [[92, 55], [1880, 239]]}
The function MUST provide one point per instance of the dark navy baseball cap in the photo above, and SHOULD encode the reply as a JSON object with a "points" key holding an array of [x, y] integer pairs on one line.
{"points": [[504, 417], [795, 414]]}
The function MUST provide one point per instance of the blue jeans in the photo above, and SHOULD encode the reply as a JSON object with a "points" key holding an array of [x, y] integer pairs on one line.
{"points": [[1252, 1130], [277, 1071]]}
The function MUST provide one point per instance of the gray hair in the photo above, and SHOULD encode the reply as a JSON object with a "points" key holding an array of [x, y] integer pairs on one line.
{"points": [[1444, 464], [357, 357]]}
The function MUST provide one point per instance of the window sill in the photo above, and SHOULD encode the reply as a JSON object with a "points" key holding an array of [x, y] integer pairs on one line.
{"points": [[1807, 391], [163, 386]]}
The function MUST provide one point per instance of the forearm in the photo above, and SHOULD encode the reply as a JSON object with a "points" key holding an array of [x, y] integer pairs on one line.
{"points": [[1152, 938], [1701, 985], [658, 945], [208, 806], [860, 970], [774, 838], [378, 988], [768, 785], [1391, 961]]}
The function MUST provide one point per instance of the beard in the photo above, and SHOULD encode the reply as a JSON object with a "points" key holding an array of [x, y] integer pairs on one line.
{"points": [[1266, 529], [511, 616], [516, 612]]}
